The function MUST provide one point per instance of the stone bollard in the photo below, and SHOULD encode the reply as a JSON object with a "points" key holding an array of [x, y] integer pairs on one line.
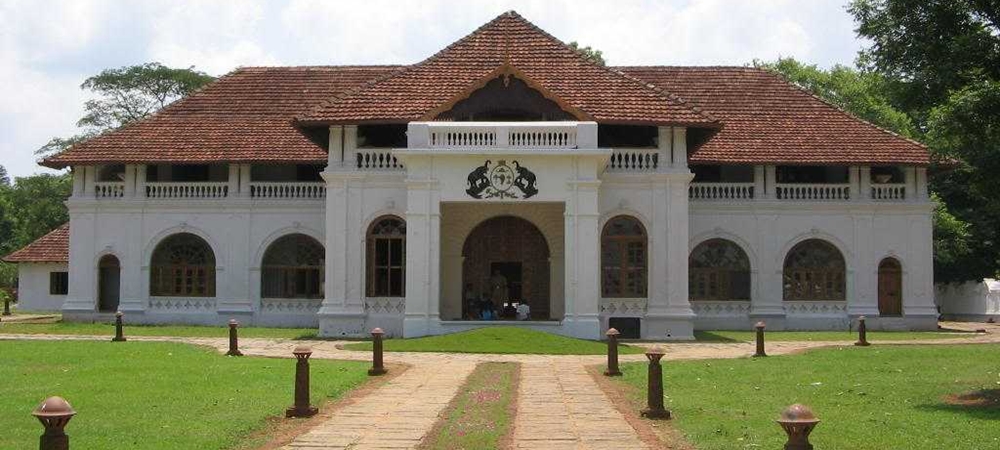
{"points": [[234, 343], [54, 413], [654, 388], [798, 421], [378, 368], [119, 334], [760, 340], [613, 370], [6, 306], [301, 408], [862, 333]]}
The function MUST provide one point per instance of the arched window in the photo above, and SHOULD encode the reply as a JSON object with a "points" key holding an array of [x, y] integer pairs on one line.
{"points": [[292, 267], [623, 258], [183, 265], [814, 270], [386, 275], [718, 269]]}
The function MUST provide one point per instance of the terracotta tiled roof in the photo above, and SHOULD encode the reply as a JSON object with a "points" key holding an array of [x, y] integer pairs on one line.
{"points": [[244, 116], [508, 44], [53, 247], [769, 120]]}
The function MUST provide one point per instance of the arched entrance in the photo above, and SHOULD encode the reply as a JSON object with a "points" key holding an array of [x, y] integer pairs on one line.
{"points": [[108, 283], [509, 251], [890, 288]]}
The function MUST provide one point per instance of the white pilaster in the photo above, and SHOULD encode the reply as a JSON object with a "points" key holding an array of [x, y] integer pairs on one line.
{"points": [[674, 318], [336, 318], [234, 181], [140, 180], [244, 180], [582, 254], [856, 192], [865, 176], [423, 247], [758, 181], [129, 181], [78, 174], [770, 181], [921, 192], [89, 178], [335, 152], [680, 148], [664, 143]]}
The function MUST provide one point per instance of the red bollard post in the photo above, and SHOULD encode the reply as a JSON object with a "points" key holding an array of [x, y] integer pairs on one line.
{"points": [[119, 334], [301, 408], [613, 370], [760, 340], [54, 413], [234, 343], [798, 421], [378, 368], [862, 333], [654, 389]]}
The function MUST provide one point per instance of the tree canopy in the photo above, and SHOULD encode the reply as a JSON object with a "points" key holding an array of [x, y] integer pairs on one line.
{"points": [[591, 54]]}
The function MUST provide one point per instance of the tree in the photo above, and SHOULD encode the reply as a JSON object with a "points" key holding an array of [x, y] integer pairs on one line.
{"points": [[4, 178], [590, 54], [128, 94], [941, 61], [29, 208]]}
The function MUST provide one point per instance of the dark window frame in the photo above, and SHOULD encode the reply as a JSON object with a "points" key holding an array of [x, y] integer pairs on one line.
{"points": [[58, 283]]}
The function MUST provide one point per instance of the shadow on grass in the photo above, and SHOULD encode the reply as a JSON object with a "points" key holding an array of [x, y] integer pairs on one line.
{"points": [[982, 404], [708, 336]]}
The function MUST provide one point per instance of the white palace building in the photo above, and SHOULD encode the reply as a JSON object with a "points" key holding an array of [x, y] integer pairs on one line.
{"points": [[660, 200]]}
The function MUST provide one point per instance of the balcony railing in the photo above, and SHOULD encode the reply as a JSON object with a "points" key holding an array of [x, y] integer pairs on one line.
{"points": [[813, 192], [377, 159], [889, 192], [502, 135], [721, 191], [109, 189], [286, 190], [634, 160], [205, 189]]}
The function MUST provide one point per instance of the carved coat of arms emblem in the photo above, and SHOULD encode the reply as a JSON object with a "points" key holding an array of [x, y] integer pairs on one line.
{"points": [[501, 181]]}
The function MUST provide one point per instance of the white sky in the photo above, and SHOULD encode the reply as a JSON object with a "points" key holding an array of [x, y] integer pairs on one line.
{"points": [[48, 47]]}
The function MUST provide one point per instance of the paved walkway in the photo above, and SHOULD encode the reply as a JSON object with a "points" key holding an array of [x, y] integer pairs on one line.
{"points": [[559, 405]]}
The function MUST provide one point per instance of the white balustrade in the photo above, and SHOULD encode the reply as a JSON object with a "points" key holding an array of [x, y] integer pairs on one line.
{"points": [[889, 192], [205, 189], [377, 159], [283, 190], [109, 189], [813, 192], [721, 191], [634, 160], [502, 135]]}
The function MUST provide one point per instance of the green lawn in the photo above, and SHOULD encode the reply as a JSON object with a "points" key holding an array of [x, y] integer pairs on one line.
{"points": [[482, 414], [497, 340], [848, 336], [867, 398], [152, 395], [153, 330]]}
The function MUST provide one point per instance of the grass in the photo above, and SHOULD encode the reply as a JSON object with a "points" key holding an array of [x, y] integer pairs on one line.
{"points": [[153, 395], [507, 340], [866, 398], [481, 414], [74, 328], [846, 336]]}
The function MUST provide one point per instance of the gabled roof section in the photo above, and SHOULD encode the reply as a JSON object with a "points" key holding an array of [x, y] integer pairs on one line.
{"points": [[413, 92], [53, 247], [770, 120]]}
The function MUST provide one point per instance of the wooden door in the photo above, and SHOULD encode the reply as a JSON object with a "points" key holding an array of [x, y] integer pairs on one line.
{"points": [[109, 284], [890, 288]]}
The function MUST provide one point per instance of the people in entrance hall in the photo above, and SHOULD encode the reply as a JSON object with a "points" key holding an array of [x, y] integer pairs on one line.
{"points": [[523, 311], [471, 305], [486, 309], [498, 289]]}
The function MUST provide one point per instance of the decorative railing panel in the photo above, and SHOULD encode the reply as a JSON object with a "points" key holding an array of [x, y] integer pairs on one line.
{"points": [[300, 190], [509, 135], [816, 308], [206, 189], [634, 160], [182, 304], [395, 306], [377, 159], [720, 308], [109, 189], [290, 305], [813, 192], [550, 137], [889, 192], [721, 191], [623, 306]]}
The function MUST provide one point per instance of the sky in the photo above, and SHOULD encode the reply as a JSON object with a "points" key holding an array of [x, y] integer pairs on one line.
{"points": [[48, 47]]}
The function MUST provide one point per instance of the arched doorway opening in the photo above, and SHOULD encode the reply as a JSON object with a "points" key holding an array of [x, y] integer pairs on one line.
{"points": [[505, 262], [890, 288], [108, 283]]}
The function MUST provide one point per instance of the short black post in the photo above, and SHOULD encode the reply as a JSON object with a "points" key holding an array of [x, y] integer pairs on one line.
{"points": [[862, 333], [654, 389], [760, 340], [613, 370], [378, 368], [54, 413], [6, 306], [301, 408], [798, 421], [119, 334], [234, 344]]}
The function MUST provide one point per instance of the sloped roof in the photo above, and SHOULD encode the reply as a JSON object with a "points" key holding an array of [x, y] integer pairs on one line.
{"points": [[244, 116], [53, 247], [508, 43], [769, 120]]}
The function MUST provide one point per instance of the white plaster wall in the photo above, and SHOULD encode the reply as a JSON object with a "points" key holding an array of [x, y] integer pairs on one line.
{"points": [[971, 300], [33, 287]]}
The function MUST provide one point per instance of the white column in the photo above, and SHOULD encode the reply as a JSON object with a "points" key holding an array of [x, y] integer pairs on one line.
{"points": [[766, 301], [664, 142], [234, 181], [140, 180], [856, 192], [350, 141], [78, 182], [680, 148], [335, 152], [244, 180], [910, 178], [862, 271], [423, 247], [89, 177], [657, 296], [582, 256], [81, 301], [770, 182], [129, 181], [866, 183], [758, 181], [674, 319], [921, 191], [336, 317]]}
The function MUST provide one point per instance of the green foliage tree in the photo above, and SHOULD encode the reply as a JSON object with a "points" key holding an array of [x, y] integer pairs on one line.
{"points": [[128, 94], [591, 54], [941, 62], [4, 178], [29, 208]]}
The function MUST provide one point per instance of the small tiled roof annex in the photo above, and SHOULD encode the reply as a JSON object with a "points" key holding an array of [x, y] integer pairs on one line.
{"points": [[769, 120], [53, 247], [415, 92], [244, 116]]}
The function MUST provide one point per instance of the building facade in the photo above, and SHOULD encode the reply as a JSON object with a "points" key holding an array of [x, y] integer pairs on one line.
{"points": [[505, 169]]}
